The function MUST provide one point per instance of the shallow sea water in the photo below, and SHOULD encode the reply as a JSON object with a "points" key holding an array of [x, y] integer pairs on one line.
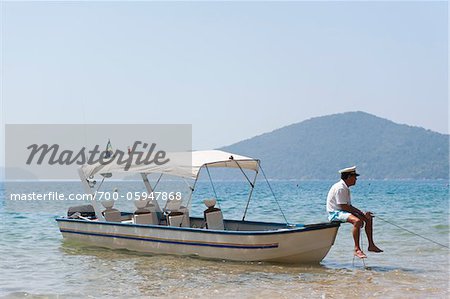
{"points": [[37, 262]]}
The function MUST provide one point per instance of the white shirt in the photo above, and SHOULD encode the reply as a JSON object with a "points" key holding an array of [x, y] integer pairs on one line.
{"points": [[339, 194]]}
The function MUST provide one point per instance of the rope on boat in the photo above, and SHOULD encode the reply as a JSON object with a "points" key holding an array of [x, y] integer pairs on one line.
{"points": [[273, 193], [411, 232]]}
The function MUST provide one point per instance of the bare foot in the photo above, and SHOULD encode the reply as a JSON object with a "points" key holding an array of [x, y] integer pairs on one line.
{"points": [[360, 254], [374, 249]]}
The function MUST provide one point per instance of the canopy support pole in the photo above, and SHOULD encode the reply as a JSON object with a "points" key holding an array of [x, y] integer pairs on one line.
{"points": [[273, 194], [190, 193], [251, 190], [248, 180], [212, 184], [189, 199], [150, 190], [88, 190]]}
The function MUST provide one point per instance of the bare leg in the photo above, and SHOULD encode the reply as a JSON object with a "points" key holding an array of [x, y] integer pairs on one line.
{"points": [[369, 233], [355, 231]]}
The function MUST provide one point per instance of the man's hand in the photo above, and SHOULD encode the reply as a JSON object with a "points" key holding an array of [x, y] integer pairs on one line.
{"points": [[368, 215], [365, 217], [360, 214]]}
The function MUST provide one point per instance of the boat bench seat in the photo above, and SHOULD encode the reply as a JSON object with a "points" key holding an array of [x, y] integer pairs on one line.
{"points": [[144, 216], [112, 215], [214, 220], [109, 213], [213, 216], [179, 218]]}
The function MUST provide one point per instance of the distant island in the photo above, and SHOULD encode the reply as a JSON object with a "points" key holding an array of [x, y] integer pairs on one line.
{"points": [[318, 147]]}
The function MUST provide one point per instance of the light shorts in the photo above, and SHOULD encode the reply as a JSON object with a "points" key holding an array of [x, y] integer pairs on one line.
{"points": [[340, 216]]}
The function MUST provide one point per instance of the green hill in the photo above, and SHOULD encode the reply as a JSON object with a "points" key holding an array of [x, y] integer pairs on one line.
{"points": [[317, 148]]}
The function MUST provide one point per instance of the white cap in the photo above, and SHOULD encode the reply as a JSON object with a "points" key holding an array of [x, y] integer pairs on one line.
{"points": [[349, 170]]}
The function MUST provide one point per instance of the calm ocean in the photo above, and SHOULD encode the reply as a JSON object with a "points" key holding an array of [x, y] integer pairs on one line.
{"points": [[36, 261]]}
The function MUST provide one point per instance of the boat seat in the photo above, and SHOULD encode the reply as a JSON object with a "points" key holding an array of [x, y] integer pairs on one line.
{"points": [[213, 216], [144, 213], [176, 214], [85, 211], [214, 219], [109, 213], [172, 205], [155, 209], [179, 218], [147, 218]]}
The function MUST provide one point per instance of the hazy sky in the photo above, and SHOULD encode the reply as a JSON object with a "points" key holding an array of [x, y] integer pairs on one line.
{"points": [[231, 69]]}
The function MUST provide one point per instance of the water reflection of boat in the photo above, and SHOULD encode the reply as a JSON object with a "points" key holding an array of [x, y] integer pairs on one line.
{"points": [[171, 230]]}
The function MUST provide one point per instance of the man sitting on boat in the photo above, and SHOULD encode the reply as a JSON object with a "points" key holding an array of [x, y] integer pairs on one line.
{"points": [[339, 208]]}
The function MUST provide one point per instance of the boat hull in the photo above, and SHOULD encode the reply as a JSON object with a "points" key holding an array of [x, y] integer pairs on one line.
{"points": [[307, 244]]}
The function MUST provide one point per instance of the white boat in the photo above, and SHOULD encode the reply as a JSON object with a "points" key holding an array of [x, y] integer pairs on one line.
{"points": [[171, 230]]}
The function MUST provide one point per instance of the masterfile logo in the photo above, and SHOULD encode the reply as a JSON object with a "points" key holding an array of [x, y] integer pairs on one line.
{"points": [[52, 155]]}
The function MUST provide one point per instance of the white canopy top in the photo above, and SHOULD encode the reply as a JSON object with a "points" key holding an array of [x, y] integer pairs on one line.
{"points": [[185, 165]]}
